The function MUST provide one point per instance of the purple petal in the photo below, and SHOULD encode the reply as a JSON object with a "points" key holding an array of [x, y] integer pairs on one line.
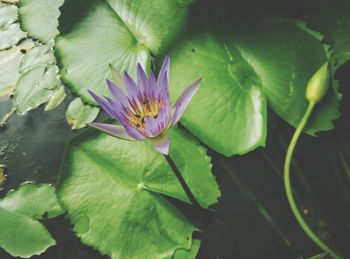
{"points": [[163, 118], [117, 78], [161, 145], [131, 86], [103, 104], [114, 130], [142, 80], [183, 101], [152, 80], [155, 126], [117, 94], [151, 127], [133, 132], [164, 72], [164, 92]]}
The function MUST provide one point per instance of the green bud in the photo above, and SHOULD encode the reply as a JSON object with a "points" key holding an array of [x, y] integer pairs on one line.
{"points": [[318, 84]]}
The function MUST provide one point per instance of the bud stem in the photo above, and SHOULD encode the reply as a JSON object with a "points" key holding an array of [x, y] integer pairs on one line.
{"points": [[288, 187]]}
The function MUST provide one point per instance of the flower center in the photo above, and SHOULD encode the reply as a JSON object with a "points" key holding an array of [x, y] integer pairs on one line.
{"points": [[141, 110]]}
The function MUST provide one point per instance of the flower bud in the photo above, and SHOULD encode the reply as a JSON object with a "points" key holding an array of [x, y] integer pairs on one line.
{"points": [[318, 84]]}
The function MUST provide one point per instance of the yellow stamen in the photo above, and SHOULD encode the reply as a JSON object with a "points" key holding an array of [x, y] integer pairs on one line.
{"points": [[138, 117]]}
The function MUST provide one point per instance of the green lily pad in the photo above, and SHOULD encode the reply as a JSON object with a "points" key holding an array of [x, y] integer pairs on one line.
{"points": [[285, 56], [187, 254], [228, 113], [39, 79], [78, 114], [10, 31], [9, 62], [39, 18], [274, 58], [112, 190], [56, 99], [32, 71], [21, 234], [115, 32]]}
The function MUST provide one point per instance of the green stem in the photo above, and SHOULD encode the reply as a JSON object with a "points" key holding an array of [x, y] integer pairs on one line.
{"points": [[288, 187], [183, 183]]}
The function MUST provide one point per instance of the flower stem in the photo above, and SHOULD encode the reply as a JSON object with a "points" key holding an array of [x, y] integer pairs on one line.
{"points": [[183, 183], [288, 188]]}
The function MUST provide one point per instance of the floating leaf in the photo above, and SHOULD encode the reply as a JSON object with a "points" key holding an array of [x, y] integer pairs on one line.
{"points": [[21, 235], [39, 18], [229, 111], [111, 189], [10, 31], [56, 99], [39, 81], [78, 114], [187, 254], [120, 33], [36, 72], [285, 56], [9, 62]]}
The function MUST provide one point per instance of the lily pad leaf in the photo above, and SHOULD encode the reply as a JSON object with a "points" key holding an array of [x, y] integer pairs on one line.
{"points": [[228, 113], [332, 19], [240, 68], [56, 99], [78, 114], [21, 234], [187, 254], [111, 189], [10, 31], [39, 18], [285, 56], [116, 32], [39, 80], [9, 62]]}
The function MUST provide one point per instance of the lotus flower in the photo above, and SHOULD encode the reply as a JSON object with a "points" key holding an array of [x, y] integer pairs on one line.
{"points": [[143, 107]]}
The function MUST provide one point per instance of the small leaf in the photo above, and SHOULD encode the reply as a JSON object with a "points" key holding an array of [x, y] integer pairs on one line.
{"points": [[78, 114], [33, 201], [9, 62], [40, 56], [39, 18], [35, 88], [21, 235], [39, 80], [10, 31], [56, 99], [111, 190]]}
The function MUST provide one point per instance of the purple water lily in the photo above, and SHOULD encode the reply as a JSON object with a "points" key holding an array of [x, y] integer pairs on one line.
{"points": [[143, 108]]}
